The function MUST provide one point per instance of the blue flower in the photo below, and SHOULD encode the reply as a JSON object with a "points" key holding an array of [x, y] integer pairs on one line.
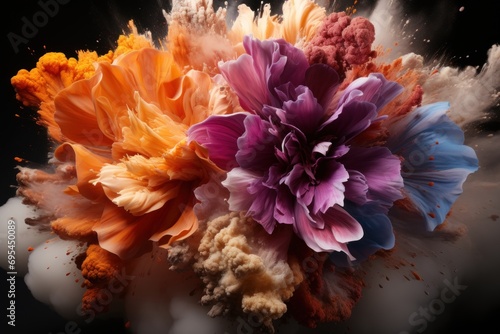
{"points": [[436, 162]]}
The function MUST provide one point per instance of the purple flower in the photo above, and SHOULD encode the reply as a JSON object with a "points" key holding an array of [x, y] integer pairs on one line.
{"points": [[291, 157]]}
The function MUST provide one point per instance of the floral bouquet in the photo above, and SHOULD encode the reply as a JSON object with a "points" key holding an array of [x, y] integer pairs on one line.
{"points": [[261, 163]]}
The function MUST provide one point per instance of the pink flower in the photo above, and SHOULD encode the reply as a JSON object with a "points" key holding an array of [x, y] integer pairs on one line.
{"points": [[291, 157]]}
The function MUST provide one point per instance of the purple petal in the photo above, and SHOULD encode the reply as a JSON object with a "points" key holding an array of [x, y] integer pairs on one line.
{"points": [[298, 180], [361, 89], [356, 188], [350, 120], [268, 64], [374, 88], [292, 147], [248, 193], [323, 81], [329, 190], [285, 206], [339, 151], [292, 70], [382, 172], [247, 78], [339, 229], [256, 145], [322, 148], [262, 208], [303, 113], [238, 181], [219, 134], [343, 226], [387, 92]]}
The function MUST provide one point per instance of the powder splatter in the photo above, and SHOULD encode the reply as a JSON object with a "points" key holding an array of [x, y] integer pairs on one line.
{"points": [[141, 204]]}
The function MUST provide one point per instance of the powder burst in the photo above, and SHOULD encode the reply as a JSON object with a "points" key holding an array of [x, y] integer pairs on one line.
{"points": [[258, 172]]}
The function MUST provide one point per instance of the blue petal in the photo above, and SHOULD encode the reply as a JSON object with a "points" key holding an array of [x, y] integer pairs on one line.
{"points": [[377, 229], [436, 163]]}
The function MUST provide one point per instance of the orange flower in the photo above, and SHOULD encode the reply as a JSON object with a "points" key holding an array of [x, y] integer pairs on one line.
{"points": [[54, 72], [125, 144]]}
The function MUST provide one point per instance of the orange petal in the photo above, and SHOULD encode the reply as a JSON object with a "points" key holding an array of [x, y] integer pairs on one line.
{"points": [[151, 68], [185, 226], [76, 116], [150, 132], [301, 19], [127, 235], [87, 166], [139, 185]]}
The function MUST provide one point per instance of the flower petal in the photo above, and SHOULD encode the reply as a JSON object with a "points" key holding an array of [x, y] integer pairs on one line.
{"points": [[350, 120], [339, 229], [357, 187], [87, 165], [436, 163], [285, 206], [329, 190], [304, 113], [267, 65], [237, 182], [256, 145], [76, 117], [381, 170], [243, 73], [377, 231], [323, 81], [248, 193], [375, 89], [219, 134]]}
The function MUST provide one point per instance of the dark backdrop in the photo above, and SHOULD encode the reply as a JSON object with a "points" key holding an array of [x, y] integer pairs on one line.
{"points": [[95, 25]]}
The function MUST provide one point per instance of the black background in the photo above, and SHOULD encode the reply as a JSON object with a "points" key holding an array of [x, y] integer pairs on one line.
{"points": [[95, 25]]}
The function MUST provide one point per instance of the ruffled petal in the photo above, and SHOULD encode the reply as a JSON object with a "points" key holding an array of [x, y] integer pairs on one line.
{"points": [[237, 182], [87, 165], [126, 235], [329, 190], [374, 88], [256, 145], [350, 120], [123, 234], [360, 102], [285, 206], [381, 171], [263, 205], [304, 113], [75, 115], [339, 229], [377, 231], [219, 135], [139, 185], [243, 73], [357, 187], [290, 65], [267, 65], [436, 163], [248, 193]]}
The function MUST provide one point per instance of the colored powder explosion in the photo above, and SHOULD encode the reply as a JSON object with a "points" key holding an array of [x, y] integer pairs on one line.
{"points": [[300, 168]]}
